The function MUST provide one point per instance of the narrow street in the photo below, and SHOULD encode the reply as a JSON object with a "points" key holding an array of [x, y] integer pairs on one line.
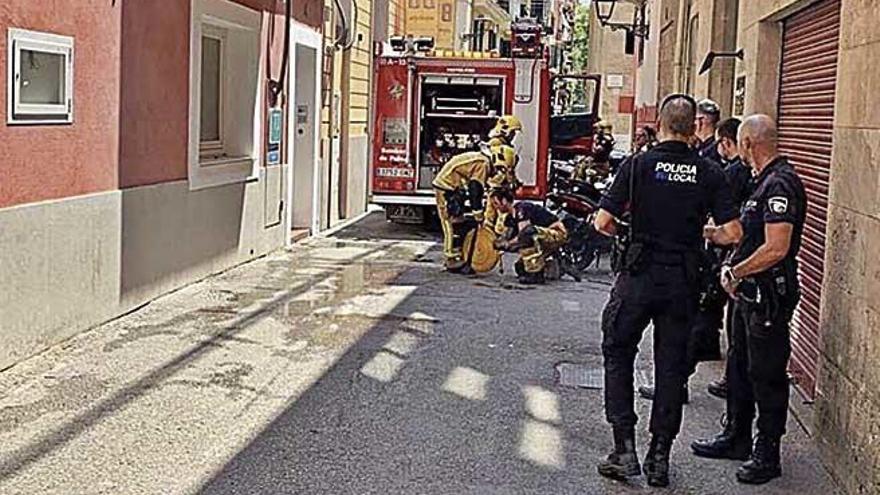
{"points": [[350, 365]]}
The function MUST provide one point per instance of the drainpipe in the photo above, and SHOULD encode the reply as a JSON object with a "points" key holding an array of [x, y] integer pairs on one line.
{"points": [[683, 23]]}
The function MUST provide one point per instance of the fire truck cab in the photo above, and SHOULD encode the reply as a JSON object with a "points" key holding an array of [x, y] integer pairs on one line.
{"points": [[431, 105]]}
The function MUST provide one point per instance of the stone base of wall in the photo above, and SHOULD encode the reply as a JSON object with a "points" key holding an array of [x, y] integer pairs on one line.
{"points": [[59, 271], [71, 264], [172, 236]]}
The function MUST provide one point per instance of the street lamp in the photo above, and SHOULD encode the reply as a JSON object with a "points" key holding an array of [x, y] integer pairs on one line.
{"points": [[638, 28], [604, 10]]}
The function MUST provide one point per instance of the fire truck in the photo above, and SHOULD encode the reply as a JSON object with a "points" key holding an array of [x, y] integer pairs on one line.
{"points": [[431, 105]]}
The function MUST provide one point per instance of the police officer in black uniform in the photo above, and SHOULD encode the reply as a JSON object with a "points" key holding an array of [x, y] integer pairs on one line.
{"points": [[762, 277], [708, 115], [668, 192], [740, 177], [704, 344]]}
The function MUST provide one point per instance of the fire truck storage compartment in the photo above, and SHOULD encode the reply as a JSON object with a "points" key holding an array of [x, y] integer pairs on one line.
{"points": [[456, 113]]}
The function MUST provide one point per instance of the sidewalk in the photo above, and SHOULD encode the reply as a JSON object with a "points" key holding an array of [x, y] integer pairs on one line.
{"points": [[351, 365]]}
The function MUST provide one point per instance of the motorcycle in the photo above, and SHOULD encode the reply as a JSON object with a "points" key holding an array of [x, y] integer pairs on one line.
{"points": [[575, 202]]}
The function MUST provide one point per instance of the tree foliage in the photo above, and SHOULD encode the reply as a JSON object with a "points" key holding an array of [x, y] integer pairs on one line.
{"points": [[580, 43]]}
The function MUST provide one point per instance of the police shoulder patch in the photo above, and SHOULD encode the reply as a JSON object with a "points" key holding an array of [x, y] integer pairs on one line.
{"points": [[778, 204]]}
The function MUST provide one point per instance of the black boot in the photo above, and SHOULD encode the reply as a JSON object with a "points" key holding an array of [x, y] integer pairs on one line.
{"points": [[647, 392], [718, 388], [623, 462], [734, 442], [764, 463], [657, 462]]}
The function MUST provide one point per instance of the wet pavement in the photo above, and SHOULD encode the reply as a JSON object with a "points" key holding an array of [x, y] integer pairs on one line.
{"points": [[349, 365]]}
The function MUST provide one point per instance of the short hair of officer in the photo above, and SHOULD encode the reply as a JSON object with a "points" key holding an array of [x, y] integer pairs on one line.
{"points": [[677, 118]]}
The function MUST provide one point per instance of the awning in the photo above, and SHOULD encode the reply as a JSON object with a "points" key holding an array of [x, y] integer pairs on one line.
{"points": [[489, 9]]}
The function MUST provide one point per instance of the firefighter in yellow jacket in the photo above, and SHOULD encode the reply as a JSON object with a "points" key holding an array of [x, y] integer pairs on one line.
{"points": [[533, 231], [460, 188], [505, 130]]}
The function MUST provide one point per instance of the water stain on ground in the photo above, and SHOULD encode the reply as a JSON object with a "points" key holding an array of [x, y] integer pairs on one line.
{"points": [[68, 393]]}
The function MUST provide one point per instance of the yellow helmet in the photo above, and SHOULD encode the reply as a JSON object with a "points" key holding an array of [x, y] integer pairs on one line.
{"points": [[604, 125], [503, 156], [506, 127]]}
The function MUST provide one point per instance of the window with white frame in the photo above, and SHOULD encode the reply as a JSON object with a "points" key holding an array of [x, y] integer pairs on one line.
{"points": [[224, 93], [40, 85]]}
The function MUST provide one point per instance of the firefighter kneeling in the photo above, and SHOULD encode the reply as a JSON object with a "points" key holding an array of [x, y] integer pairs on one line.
{"points": [[460, 189], [533, 231]]}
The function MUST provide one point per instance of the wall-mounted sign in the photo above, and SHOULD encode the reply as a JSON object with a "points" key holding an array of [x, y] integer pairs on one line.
{"points": [[614, 80], [273, 151], [275, 125]]}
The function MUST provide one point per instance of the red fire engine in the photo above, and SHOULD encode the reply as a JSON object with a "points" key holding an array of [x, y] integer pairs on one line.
{"points": [[432, 105]]}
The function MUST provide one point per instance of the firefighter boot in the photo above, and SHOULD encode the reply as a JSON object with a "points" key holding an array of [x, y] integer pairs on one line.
{"points": [[530, 278], [764, 463], [525, 277], [623, 462], [734, 442], [657, 461]]}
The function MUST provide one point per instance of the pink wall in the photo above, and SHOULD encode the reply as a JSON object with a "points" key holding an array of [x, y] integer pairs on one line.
{"points": [[155, 84], [131, 95], [40, 162], [155, 91]]}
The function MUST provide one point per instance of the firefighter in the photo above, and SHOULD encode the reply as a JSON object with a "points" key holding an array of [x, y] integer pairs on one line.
{"points": [[505, 130], [762, 279], [505, 160], [459, 189], [668, 192], [603, 145], [532, 230]]}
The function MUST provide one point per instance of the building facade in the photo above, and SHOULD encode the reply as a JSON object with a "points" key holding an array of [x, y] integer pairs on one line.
{"points": [[682, 34], [613, 57], [346, 93], [808, 64], [139, 156]]}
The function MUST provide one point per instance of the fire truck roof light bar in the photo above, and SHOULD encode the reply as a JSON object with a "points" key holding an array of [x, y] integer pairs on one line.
{"points": [[408, 44]]}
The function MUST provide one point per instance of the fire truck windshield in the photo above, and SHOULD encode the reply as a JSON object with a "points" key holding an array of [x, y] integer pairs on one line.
{"points": [[573, 95]]}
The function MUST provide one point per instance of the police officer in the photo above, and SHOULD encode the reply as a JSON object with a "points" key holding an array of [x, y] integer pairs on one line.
{"points": [[668, 191], [740, 177], [534, 231], [708, 115], [459, 188], [704, 345], [762, 278]]}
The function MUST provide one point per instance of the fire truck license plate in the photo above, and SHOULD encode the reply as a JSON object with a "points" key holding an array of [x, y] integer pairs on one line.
{"points": [[406, 173]]}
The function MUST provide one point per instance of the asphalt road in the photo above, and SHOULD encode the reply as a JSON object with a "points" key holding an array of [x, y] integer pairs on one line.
{"points": [[350, 365]]}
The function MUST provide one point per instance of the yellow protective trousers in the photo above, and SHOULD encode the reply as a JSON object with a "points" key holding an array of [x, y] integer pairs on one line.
{"points": [[547, 240], [451, 250]]}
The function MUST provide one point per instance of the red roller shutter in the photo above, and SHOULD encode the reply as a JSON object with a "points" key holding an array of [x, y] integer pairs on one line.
{"points": [[806, 124]]}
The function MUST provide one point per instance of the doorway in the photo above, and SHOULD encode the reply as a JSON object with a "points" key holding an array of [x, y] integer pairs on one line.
{"points": [[304, 128]]}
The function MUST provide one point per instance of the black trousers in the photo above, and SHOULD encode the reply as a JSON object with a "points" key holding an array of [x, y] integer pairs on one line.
{"points": [[663, 295], [705, 342], [756, 368]]}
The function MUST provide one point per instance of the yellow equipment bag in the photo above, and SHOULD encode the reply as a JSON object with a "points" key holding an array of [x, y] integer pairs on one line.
{"points": [[483, 255]]}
